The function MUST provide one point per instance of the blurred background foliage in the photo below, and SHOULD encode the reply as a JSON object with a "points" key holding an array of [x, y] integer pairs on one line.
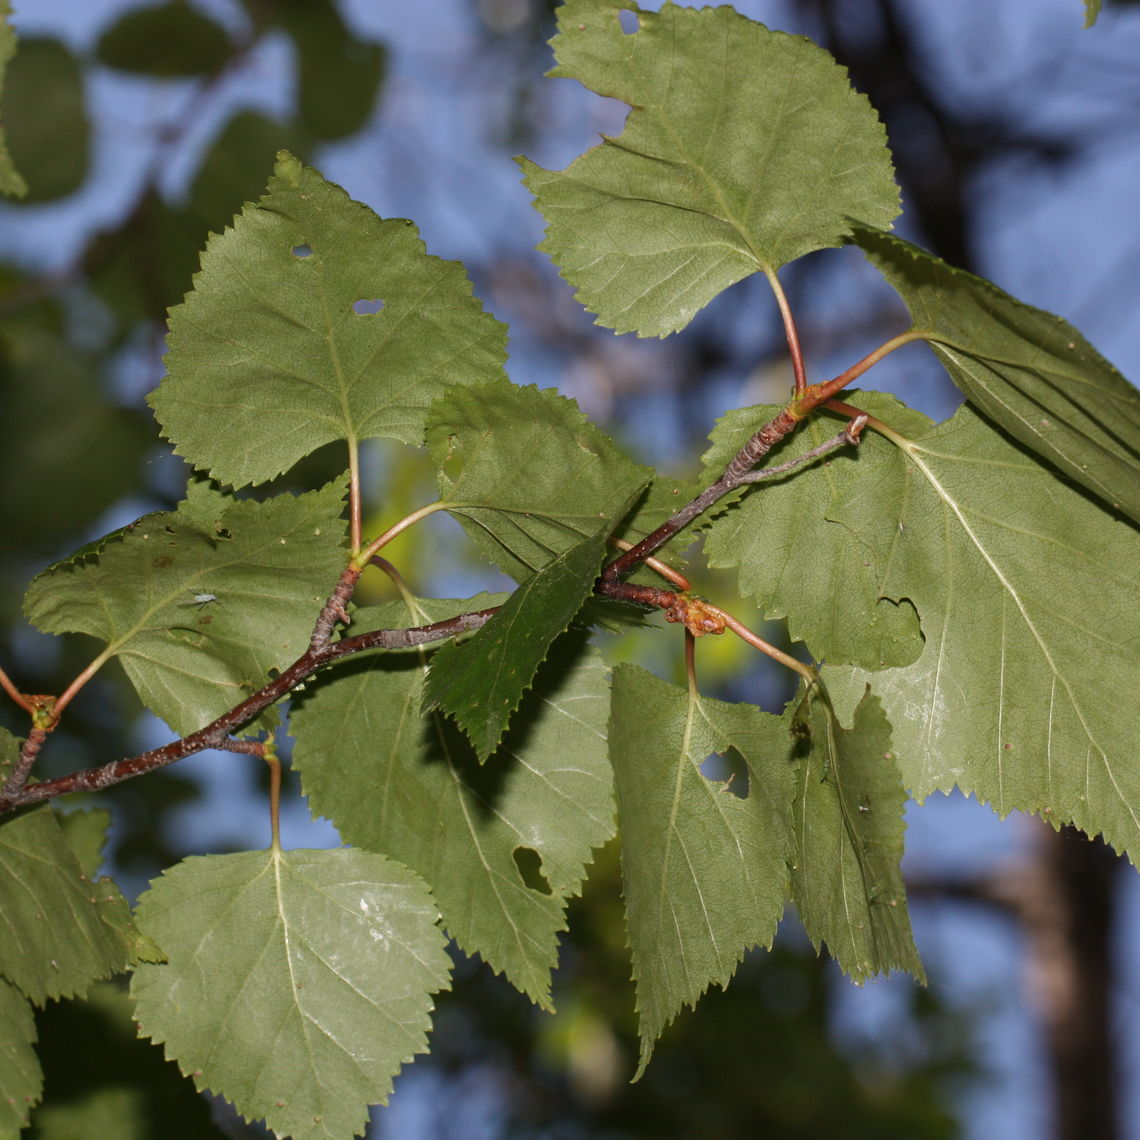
{"points": [[399, 107]]}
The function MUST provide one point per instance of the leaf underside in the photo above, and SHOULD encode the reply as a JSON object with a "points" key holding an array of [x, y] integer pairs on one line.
{"points": [[792, 554], [459, 822], [313, 320], [1024, 694], [704, 871], [721, 171], [297, 984], [848, 818], [1031, 372]]}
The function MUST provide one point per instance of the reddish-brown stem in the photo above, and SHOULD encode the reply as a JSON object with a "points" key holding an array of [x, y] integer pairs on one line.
{"points": [[637, 554], [757, 642], [791, 334], [6, 684], [691, 663], [274, 763], [739, 470], [65, 698], [667, 572], [695, 614], [816, 394], [699, 618], [855, 413]]}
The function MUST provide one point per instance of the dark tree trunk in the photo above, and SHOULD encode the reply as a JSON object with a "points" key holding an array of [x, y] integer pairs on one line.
{"points": [[1069, 926]]}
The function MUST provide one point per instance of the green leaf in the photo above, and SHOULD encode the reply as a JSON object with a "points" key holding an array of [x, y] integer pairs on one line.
{"points": [[171, 40], [298, 983], [11, 181], [270, 357], [59, 930], [724, 169], [394, 781], [822, 575], [265, 569], [339, 76], [86, 833], [526, 474], [848, 814], [21, 1082], [705, 871], [1025, 693], [481, 681], [1028, 370], [45, 119], [1092, 11]]}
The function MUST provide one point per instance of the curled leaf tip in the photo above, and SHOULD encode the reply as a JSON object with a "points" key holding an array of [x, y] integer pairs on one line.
{"points": [[288, 168]]}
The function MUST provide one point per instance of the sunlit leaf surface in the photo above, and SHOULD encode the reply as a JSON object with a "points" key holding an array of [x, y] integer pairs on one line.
{"points": [[199, 604]]}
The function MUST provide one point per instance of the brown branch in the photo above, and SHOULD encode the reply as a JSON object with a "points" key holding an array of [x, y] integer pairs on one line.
{"points": [[335, 609], [738, 473], [217, 733]]}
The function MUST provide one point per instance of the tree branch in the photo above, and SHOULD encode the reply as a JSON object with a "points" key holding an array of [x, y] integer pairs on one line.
{"points": [[737, 474], [216, 734], [698, 617]]}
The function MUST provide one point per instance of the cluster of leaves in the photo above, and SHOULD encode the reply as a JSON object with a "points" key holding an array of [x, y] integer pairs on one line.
{"points": [[971, 586]]}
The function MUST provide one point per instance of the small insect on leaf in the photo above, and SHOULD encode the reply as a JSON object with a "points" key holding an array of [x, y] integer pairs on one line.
{"points": [[200, 600]]}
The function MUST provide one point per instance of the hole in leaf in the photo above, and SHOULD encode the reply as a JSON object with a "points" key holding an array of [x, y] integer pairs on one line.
{"points": [[302, 251], [629, 21], [729, 769], [529, 863], [364, 308]]}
